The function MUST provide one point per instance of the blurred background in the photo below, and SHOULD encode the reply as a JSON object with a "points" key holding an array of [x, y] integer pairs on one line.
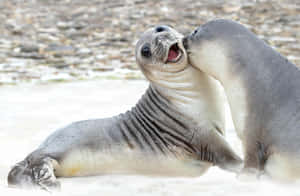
{"points": [[66, 40]]}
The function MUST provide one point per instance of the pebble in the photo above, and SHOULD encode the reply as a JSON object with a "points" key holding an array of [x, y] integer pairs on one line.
{"points": [[64, 25], [59, 50], [84, 52], [27, 55], [28, 48], [16, 63]]}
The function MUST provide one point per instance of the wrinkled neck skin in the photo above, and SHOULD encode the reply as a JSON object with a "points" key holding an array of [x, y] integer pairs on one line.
{"points": [[196, 95]]}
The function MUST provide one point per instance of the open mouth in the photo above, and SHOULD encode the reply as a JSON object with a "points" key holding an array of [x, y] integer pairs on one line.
{"points": [[174, 54]]}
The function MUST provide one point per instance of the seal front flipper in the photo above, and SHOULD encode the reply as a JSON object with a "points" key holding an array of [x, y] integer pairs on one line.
{"points": [[255, 160], [34, 174], [212, 147]]}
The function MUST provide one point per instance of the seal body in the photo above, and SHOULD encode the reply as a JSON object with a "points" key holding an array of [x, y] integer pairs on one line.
{"points": [[263, 91], [176, 128]]}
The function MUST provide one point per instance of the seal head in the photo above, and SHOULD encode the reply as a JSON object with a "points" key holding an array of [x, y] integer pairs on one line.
{"points": [[160, 49]]}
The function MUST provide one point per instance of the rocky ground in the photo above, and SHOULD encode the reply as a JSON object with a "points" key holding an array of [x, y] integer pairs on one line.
{"points": [[58, 40]]}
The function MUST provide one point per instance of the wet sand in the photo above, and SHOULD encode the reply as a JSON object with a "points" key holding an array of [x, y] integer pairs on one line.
{"points": [[29, 113]]}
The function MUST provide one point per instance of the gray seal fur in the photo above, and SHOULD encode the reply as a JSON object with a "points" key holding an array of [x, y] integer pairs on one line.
{"points": [[171, 130], [263, 90]]}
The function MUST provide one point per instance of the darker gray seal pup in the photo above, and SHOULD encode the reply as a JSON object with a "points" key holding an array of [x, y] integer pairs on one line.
{"points": [[263, 90]]}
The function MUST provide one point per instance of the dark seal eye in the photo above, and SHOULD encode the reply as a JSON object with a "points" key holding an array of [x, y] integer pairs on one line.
{"points": [[146, 51]]}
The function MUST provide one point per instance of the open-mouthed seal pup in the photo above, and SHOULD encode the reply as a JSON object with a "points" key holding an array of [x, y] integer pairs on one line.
{"points": [[263, 90], [176, 128]]}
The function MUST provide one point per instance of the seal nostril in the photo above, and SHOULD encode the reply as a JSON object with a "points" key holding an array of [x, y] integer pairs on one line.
{"points": [[195, 32], [160, 29]]}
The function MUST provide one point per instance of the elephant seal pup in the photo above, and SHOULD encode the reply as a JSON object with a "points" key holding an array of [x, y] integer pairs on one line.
{"points": [[263, 90], [175, 129]]}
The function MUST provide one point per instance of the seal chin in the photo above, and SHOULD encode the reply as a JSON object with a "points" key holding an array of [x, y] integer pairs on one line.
{"points": [[174, 54]]}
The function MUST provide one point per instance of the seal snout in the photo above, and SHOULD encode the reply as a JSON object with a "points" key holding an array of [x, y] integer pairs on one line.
{"points": [[163, 42]]}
